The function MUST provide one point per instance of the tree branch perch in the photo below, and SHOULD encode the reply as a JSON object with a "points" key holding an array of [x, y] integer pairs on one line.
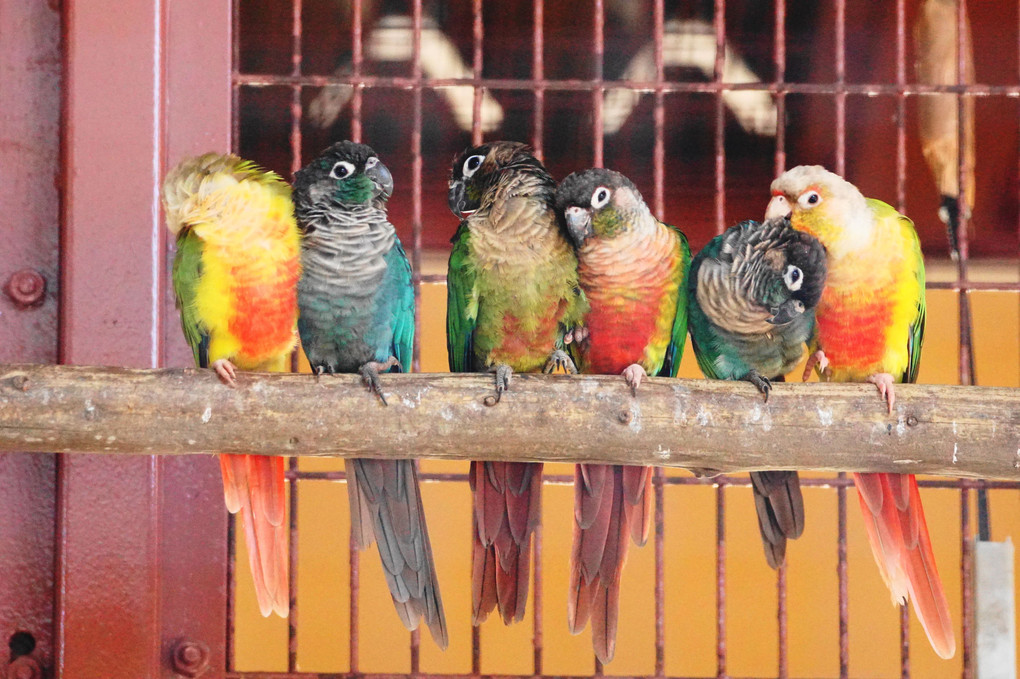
{"points": [[697, 424]]}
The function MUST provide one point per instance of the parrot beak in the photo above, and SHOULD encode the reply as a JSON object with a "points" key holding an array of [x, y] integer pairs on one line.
{"points": [[458, 200], [778, 208], [786, 312], [381, 178], [578, 224]]}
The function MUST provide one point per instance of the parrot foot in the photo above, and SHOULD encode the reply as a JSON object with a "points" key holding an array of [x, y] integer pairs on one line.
{"points": [[577, 334], [763, 383], [226, 371], [370, 375], [633, 374], [817, 359], [884, 382], [503, 373], [560, 359]]}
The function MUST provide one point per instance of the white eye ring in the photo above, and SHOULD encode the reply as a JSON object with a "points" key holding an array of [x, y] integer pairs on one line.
{"points": [[471, 165], [809, 199], [342, 170], [793, 277], [600, 197]]}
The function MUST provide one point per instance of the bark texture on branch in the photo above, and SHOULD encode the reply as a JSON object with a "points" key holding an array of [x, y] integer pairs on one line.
{"points": [[697, 424]]}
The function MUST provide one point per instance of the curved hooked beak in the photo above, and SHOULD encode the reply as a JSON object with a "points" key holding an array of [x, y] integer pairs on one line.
{"points": [[578, 224], [458, 200], [786, 312], [778, 208], [381, 178]]}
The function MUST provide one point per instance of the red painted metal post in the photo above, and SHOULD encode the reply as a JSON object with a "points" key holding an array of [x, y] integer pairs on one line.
{"points": [[139, 589]]}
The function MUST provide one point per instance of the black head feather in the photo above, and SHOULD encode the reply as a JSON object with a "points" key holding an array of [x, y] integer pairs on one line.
{"points": [[345, 175], [481, 168]]}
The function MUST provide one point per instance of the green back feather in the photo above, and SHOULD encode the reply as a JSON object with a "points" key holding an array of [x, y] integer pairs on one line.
{"points": [[186, 271]]}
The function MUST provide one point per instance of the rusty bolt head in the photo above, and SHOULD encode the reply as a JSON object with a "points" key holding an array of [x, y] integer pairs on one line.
{"points": [[191, 658], [911, 421], [26, 287], [624, 417]]}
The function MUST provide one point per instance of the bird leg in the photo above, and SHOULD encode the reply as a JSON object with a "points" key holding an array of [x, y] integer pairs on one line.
{"points": [[560, 359], [370, 375], [817, 359], [763, 383], [884, 382], [226, 371], [576, 334], [503, 373], [633, 374]]}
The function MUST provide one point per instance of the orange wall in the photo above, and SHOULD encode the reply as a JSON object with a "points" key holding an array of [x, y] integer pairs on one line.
{"points": [[261, 644]]}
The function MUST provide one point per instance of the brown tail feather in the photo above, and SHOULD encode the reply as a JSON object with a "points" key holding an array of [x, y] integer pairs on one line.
{"points": [[612, 506], [507, 506], [780, 508], [898, 532], [253, 486], [386, 507]]}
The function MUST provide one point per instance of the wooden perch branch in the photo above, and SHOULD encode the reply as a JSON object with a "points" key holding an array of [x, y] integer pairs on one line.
{"points": [[698, 424]]}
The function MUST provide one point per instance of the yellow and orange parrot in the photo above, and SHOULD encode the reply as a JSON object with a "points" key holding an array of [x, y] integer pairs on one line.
{"points": [[235, 277], [870, 325]]}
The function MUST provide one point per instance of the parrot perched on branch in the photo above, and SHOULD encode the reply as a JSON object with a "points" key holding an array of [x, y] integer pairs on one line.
{"points": [[751, 294], [357, 316], [512, 297], [869, 328], [631, 268], [234, 276]]}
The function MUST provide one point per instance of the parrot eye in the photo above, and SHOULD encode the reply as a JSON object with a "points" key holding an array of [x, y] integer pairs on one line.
{"points": [[809, 199], [472, 164], [341, 170], [600, 197], [793, 277]]}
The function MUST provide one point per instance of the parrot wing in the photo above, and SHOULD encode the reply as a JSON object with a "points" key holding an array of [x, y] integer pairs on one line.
{"points": [[461, 304], [186, 271], [675, 348], [403, 314]]}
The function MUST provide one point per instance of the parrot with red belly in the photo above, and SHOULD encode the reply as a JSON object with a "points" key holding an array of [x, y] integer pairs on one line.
{"points": [[512, 298], [235, 277], [631, 268], [870, 326]]}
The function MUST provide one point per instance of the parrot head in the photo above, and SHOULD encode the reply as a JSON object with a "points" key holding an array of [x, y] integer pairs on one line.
{"points": [[598, 203], [345, 175], [796, 269], [481, 168], [824, 205]]}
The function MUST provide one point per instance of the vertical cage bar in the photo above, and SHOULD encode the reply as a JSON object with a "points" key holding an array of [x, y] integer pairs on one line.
{"points": [[904, 641], [841, 87], [292, 579], [295, 95], [659, 122], [231, 584], [235, 89], [841, 574], [783, 669], [598, 41], [660, 568], [357, 57], [901, 106], [720, 578], [963, 229], [779, 57], [416, 165], [476, 646], [415, 642], [538, 74], [719, 23], [354, 586], [476, 103], [966, 561], [536, 569]]}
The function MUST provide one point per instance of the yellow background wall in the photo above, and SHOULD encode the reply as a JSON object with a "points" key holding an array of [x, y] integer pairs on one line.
{"points": [[324, 600]]}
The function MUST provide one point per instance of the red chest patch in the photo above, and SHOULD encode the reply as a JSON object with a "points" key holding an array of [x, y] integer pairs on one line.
{"points": [[853, 334], [619, 330]]}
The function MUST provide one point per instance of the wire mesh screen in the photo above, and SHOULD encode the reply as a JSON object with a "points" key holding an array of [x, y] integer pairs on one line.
{"points": [[701, 104]]}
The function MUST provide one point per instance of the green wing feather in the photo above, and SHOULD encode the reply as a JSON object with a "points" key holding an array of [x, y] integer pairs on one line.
{"points": [[403, 312], [186, 271], [675, 348], [461, 304]]}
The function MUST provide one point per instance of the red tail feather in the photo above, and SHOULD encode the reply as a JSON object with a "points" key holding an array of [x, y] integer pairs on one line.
{"points": [[900, 543], [611, 503], [254, 486], [507, 502]]}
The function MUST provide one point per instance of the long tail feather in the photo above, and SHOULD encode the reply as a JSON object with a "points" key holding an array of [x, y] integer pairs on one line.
{"points": [[507, 504], [254, 487], [898, 533], [780, 508], [386, 508], [611, 507]]}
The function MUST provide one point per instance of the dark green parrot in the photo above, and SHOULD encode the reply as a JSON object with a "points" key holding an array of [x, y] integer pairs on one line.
{"points": [[357, 316], [512, 297], [752, 293], [631, 268]]}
